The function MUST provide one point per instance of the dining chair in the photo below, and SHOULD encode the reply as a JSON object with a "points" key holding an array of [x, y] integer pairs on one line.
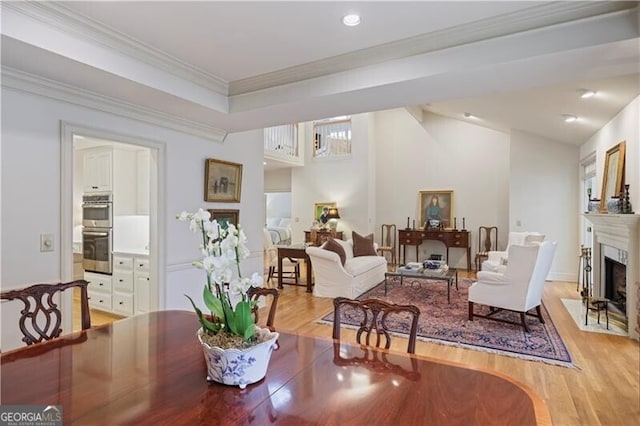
{"points": [[388, 241], [41, 317], [487, 241], [255, 293], [374, 315], [271, 260]]}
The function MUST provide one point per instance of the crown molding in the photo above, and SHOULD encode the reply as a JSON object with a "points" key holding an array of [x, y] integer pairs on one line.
{"points": [[545, 15], [64, 19], [29, 83]]}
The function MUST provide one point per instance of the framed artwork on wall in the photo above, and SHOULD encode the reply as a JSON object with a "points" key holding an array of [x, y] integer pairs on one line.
{"points": [[613, 177], [320, 211], [225, 216], [222, 181], [436, 208]]}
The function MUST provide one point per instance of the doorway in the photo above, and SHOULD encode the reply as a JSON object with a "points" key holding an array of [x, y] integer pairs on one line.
{"points": [[100, 162]]}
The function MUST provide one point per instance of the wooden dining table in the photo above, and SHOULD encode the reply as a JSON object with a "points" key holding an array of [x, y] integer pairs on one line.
{"points": [[149, 369]]}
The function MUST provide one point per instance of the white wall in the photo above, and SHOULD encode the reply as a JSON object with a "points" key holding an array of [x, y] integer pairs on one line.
{"points": [[625, 126], [31, 194], [278, 180], [544, 181], [344, 181], [440, 153]]}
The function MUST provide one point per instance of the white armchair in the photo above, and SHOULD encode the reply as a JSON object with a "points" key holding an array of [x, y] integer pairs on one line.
{"points": [[519, 288], [497, 260]]}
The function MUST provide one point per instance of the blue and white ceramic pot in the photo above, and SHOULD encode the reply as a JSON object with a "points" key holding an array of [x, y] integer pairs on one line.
{"points": [[239, 367]]}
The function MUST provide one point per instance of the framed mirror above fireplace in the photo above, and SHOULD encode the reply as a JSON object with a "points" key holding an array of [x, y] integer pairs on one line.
{"points": [[613, 177]]}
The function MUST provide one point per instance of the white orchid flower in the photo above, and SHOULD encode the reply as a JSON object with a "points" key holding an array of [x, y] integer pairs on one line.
{"points": [[256, 279], [202, 215], [183, 216]]}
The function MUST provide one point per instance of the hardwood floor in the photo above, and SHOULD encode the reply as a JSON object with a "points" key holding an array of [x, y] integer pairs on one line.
{"points": [[603, 390]]}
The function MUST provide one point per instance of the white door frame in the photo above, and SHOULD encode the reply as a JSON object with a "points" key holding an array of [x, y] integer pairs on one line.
{"points": [[157, 213]]}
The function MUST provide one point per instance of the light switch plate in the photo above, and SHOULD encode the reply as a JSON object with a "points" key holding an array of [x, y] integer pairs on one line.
{"points": [[46, 242]]}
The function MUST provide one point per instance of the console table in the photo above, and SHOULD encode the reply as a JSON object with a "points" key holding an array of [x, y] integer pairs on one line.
{"points": [[321, 237], [450, 238]]}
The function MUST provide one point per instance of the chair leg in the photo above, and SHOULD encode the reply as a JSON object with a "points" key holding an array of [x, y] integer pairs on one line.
{"points": [[470, 311], [524, 322], [539, 312], [271, 271]]}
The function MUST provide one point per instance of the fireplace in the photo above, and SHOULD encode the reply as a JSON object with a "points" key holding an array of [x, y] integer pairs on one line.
{"points": [[615, 288], [616, 260]]}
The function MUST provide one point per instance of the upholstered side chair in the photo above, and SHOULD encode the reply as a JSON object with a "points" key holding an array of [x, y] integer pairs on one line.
{"points": [[519, 288]]}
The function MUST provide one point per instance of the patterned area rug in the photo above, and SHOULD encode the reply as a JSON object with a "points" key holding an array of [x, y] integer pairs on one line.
{"points": [[448, 324]]}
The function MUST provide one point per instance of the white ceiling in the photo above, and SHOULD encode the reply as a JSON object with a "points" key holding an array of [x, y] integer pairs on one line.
{"points": [[217, 67]]}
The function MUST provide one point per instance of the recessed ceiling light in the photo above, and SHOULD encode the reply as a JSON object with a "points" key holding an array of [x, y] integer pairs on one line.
{"points": [[586, 93], [351, 20], [569, 118], [264, 163]]}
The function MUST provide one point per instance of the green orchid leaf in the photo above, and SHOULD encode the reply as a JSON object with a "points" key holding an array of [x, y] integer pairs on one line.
{"points": [[213, 303], [244, 319], [206, 324], [231, 319]]}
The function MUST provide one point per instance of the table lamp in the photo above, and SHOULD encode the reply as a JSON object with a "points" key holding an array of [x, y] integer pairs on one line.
{"points": [[333, 215]]}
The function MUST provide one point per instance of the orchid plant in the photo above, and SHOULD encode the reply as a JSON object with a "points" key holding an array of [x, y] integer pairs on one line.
{"points": [[223, 247]]}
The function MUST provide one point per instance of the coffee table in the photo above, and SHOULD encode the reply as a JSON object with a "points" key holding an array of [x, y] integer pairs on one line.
{"points": [[449, 276]]}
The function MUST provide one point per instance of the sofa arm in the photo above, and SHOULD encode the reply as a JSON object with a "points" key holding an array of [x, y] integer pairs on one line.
{"points": [[322, 254], [496, 256]]}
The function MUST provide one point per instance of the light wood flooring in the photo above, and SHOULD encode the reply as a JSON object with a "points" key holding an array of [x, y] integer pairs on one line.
{"points": [[603, 390]]}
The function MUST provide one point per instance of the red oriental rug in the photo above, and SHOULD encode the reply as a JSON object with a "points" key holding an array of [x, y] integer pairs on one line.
{"points": [[448, 324]]}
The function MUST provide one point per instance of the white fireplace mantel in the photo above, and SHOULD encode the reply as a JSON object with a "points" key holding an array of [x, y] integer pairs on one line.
{"points": [[619, 231]]}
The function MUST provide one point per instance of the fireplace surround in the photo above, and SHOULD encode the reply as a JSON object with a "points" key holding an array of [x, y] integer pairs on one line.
{"points": [[617, 237]]}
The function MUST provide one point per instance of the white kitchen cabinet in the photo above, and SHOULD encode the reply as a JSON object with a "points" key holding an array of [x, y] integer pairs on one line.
{"points": [[112, 169], [142, 284], [97, 169], [99, 291], [126, 291]]}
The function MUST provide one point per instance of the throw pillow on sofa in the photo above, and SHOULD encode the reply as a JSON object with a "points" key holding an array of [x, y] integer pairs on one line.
{"points": [[335, 247], [363, 246]]}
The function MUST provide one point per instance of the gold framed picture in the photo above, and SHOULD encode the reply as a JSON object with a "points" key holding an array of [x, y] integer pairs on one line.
{"points": [[222, 181], [320, 211], [436, 208], [613, 177], [225, 216]]}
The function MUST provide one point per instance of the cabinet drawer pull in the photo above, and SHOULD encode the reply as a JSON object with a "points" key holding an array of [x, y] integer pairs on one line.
{"points": [[100, 284], [121, 303], [147, 279], [457, 243]]}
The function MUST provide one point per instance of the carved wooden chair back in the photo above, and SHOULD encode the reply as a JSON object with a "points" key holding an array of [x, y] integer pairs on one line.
{"points": [[388, 241], [374, 315], [41, 317], [255, 293], [487, 241]]}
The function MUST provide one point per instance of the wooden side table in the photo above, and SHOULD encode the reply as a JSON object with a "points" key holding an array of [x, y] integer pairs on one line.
{"points": [[321, 236]]}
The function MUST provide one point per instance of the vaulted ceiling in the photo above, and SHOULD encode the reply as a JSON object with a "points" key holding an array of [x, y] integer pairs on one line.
{"points": [[218, 67]]}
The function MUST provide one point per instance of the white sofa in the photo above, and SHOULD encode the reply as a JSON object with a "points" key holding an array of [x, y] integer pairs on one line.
{"points": [[497, 260], [358, 274]]}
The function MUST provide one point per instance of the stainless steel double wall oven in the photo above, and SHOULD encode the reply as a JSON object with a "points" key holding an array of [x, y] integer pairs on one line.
{"points": [[97, 232]]}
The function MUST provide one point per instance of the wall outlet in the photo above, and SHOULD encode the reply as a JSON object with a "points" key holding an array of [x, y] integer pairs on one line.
{"points": [[46, 242]]}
